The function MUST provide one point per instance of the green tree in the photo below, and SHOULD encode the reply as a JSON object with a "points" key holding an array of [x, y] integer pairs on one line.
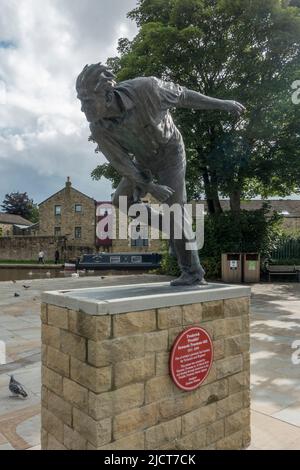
{"points": [[34, 214], [20, 204], [106, 171], [247, 50]]}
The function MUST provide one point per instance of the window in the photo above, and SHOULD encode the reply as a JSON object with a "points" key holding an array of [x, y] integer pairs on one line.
{"points": [[57, 231], [57, 210], [104, 211], [140, 242], [136, 259], [77, 232], [78, 208], [142, 239]]}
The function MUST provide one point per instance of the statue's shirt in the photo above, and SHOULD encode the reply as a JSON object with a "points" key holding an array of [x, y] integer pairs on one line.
{"points": [[144, 136]]}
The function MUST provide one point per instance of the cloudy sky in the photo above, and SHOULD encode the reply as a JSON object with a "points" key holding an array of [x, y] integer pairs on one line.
{"points": [[44, 44]]}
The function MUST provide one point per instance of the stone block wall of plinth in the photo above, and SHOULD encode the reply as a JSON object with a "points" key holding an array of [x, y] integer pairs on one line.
{"points": [[105, 369]]}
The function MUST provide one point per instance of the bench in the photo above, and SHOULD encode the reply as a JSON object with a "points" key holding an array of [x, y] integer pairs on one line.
{"points": [[281, 270]]}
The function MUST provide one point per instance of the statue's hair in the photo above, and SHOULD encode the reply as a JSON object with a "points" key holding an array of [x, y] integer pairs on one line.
{"points": [[94, 78]]}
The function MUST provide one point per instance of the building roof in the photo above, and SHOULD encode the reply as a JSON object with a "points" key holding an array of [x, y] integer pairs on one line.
{"points": [[285, 207], [13, 219], [67, 185], [21, 226]]}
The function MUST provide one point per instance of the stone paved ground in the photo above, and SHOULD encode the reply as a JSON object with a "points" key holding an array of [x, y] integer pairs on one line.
{"points": [[275, 324], [275, 380], [20, 330]]}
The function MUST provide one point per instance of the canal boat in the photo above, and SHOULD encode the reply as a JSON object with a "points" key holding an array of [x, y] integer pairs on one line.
{"points": [[119, 261]]}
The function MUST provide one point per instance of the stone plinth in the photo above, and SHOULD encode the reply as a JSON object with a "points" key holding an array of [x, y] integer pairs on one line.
{"points": [[106, 382]]}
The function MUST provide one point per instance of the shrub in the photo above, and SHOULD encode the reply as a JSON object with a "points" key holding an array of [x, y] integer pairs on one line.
{"points": [[249, 232]]}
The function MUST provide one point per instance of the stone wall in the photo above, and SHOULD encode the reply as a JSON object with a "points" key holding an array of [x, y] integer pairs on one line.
{"points": [[291, 224], [6, 230], [27, 248], [106, 382]]}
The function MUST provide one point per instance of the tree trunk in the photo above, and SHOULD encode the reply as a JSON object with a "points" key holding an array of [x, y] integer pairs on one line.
{"points": [[215, 193], [211, 193], [235, 201]]}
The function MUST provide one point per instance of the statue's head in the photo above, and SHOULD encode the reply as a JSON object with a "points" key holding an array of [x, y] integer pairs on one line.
{"points": [[94, 87]]}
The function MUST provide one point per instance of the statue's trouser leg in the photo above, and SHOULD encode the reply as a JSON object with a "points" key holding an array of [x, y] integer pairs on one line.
{"points": [[174, 177], [125, 188], [188, 260]]}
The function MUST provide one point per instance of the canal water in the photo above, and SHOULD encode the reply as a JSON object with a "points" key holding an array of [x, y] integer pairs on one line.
{"points": [[17, 274]]}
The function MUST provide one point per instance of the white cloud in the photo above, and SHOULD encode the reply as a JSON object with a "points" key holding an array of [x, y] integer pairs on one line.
{"points": [[43, 47]]}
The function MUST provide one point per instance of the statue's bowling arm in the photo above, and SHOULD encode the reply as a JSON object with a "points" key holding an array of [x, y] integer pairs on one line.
{"points": [[121, 161], [194, 100]]}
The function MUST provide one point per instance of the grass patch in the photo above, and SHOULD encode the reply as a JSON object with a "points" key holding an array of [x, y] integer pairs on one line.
{"points": [[22, 261]]}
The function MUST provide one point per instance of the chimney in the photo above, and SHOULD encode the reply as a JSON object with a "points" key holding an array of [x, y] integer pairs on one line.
{"points": [[68, 183]]}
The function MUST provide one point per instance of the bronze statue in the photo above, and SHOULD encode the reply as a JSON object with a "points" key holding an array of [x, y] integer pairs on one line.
{"points": [[133, 128]]}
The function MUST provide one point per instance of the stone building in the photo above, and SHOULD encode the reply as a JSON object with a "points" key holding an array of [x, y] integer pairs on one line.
{"points": [[288, 208], [141, 242], [10, 224], [69, 216]]}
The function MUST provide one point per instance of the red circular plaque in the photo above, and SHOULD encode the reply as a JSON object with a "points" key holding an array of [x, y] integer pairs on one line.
{"points": [[191, 358]]}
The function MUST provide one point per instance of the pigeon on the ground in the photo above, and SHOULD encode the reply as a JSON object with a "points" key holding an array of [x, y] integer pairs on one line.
{"points": [[16, 295], [26, 287], [16, 388]]}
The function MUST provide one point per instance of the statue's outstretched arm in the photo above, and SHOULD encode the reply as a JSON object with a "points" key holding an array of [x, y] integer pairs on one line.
{"points": [[194, 100], [172, 95]]}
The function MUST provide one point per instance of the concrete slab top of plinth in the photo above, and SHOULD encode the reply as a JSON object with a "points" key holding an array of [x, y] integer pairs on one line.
{"points": [[136, 297]]}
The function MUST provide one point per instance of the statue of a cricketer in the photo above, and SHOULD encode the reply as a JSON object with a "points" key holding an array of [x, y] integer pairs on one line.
{"points": [[131, 123]]}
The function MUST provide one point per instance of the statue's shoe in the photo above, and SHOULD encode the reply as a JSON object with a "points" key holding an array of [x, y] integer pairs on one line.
{"points": [[188, 279]]}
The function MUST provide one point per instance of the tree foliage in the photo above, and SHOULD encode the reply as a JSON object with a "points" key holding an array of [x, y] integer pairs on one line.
{"points": [[107, 171], [20, 204], [247, 50]]}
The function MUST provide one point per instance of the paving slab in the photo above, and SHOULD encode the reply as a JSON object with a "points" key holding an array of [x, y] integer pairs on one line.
{"points": [[269, 433], [275, 379], [290, 414]]}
